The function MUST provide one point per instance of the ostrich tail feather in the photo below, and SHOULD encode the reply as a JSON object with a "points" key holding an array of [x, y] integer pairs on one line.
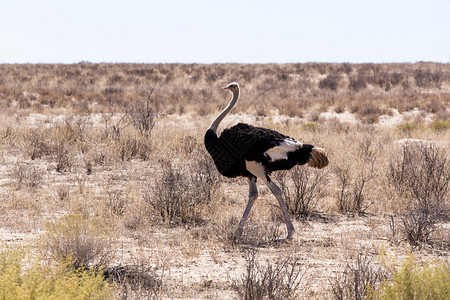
{"points": [[318, 159]]}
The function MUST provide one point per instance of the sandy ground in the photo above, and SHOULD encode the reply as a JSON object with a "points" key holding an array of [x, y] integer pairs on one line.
{"points": [[195, 268]]}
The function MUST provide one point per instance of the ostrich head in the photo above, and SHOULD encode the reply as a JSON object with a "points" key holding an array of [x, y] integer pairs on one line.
{"points": [[232, 87]]}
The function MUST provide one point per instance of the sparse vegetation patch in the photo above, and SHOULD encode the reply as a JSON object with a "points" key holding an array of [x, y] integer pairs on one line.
{"points": [[108, 184]]}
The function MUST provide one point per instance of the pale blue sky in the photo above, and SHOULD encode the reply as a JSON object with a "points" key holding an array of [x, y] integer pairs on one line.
{"points": [[224, 31]]}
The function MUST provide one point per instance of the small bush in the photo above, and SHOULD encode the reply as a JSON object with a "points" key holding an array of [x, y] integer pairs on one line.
{"points": [[167, 197], [420, 176], [279, 280], [19, 280], [143, 114], [330, 82], [357, 83], [129, 146], [27, 175], [306, 189], [86, 241], [412, 281], [428, 78], [311, 126], [63, 157], [370, 113], [178, 194], [118, 202], [358, 280], [135, 281], [440, 125], [407, 127], [418, 225], [36, 143], [204, 178], [354, 186]]}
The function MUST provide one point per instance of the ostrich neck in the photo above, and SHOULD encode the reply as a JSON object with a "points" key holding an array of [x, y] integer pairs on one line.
{"points": [[215, 124]]}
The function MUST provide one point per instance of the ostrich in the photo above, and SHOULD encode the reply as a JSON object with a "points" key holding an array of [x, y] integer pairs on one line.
{"points": [[254, 152]]}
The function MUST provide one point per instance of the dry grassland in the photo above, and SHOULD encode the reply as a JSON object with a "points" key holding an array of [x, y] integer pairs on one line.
{"points": [[106, 161]]}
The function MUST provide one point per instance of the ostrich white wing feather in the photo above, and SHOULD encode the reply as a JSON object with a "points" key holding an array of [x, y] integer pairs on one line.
{"points": [[281, 151]]}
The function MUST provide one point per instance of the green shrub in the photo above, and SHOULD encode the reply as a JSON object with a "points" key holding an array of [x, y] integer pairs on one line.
{"points": [[311, 126], [19, 280], [407, 127], [412, 281], [440, 125]]}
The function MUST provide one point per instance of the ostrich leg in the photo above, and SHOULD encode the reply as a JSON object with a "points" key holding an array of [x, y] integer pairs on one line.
{"points": [[277, 193], [252, 195]]}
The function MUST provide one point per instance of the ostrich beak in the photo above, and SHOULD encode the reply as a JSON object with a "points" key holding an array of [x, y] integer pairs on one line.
{"points": [[225, 88]]}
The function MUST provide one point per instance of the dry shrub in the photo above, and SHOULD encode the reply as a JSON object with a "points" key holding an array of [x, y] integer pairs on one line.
{"points": [[136, 216], [167, 198], [253, 234], [302, 188], [331, 82], [261, 233], [428, 78], [346, 68], [114, 125], [142, 115], [359, 279], [435, 105], [135, 281], [204, 177], [282, 279], [225, 231], [387, 80], [117, 202], [420, 176], [179, 192], [25, 174], [36, 143], [134, 141], [131, 145], [63, 157], [357, 82], [68, 136], [418, 225], [354, 179], [86, 241], [6, 134], [63, 192], [370, 112], [115, 86]]}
